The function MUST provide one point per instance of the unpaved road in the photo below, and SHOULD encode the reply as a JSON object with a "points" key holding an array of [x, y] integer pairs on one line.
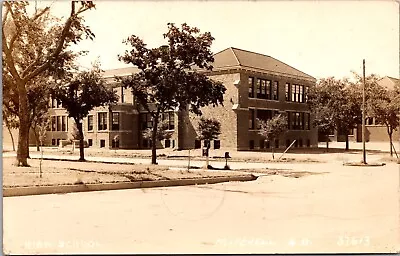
{"points": [[341, 209]]}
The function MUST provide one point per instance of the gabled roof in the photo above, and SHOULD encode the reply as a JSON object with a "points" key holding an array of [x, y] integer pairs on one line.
{"points": [[237, 58], [388, 82]]}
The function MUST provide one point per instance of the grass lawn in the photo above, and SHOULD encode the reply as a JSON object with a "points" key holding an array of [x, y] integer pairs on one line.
{"points": [[56, 172]]}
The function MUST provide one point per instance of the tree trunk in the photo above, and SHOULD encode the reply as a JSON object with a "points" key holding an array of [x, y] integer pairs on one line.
{"points": [[23, 134], [390, 133], [12, 137], [273, 156], [37, 139], [327, 143], [154, 138], [81, 146], [347, 141]]}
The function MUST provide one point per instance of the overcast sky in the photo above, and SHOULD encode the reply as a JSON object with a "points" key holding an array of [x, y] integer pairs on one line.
{"points": [[320, 38]]}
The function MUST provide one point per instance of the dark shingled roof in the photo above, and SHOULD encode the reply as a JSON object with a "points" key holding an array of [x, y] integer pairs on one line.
{"points": [[237, 58]]}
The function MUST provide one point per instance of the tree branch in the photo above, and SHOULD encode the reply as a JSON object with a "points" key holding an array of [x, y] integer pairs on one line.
{"points": [[9, 58]]}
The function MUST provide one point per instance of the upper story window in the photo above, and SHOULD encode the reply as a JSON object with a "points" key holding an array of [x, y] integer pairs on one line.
{"points": [[268, 89], [306, 88], [115, 121], [169, 117], [251, 87], [296, 93], [90, 123], [275, 90], [287, 92], [102, 121]]}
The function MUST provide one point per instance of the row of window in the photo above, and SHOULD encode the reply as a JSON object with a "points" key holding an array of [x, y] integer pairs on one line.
{"points": [[298, 120], [296, 93], [102, 121], [263, 144], [295, 120], [266, 89], [146, 120], [167, 143], [217, 144], [59, 123], [260, 114], [54, 103]]}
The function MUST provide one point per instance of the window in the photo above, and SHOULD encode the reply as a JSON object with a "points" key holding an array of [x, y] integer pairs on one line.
{"points": [[306, 94], [115, 121], [263, 115], [262, 144], [217, 144], [53, 123], [301, 93], [287, 92], [58, 123], [251, 118], [251, 144], [64, 123], [275, 90], [173, 143], [251, 87], [258, 88], [307, 121], [268, 89], [146, 121], [122, 94], [297, 120], [293, 92], [171, 120], [167, 143], [58, 142], [90, 123], [276, 143], [197, 144], [102, 143], [90, 142], [102, 121]]}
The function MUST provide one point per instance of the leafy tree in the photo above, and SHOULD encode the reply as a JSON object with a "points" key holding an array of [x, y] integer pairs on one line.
{"points": [[381, 104], [42, 126], [163, 132], [11, 122], [209, 129], [336, 104], [169, 77], [83, 92], [35, 44], [272, 129]]}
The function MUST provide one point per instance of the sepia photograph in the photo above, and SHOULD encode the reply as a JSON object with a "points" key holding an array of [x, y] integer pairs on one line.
{"points": [[207, 127]]}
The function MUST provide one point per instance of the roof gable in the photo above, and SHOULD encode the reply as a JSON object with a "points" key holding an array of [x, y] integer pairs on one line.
{"points": [[236, 58]]}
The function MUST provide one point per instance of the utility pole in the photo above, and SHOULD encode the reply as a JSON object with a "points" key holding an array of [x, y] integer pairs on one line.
{"points": [[363, 116]]}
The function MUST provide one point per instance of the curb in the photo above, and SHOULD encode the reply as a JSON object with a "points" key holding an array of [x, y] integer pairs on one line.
{"points": [[62, 189]]}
